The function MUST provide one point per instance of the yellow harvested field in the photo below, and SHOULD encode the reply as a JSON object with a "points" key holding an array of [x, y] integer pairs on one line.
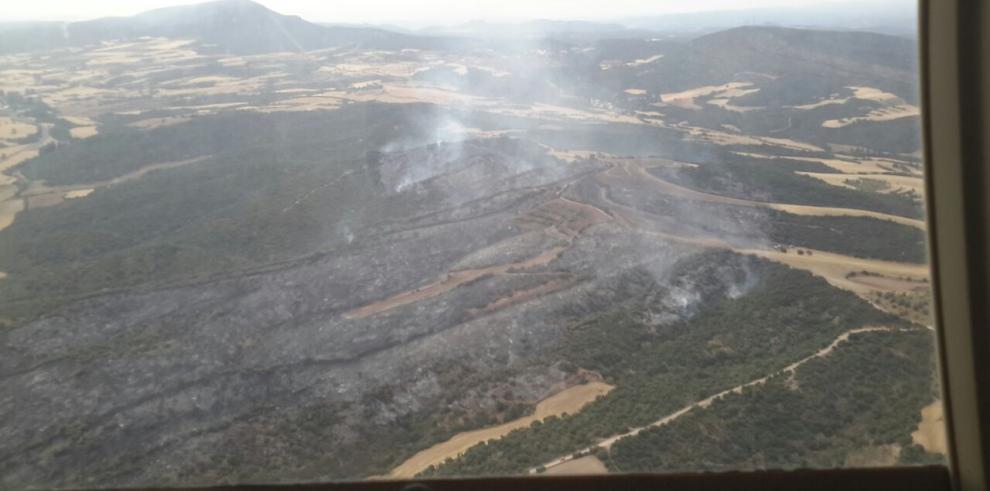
{"points": [[15, 130], [79, 120], [826, 211], [79, 92], [888, 113], [807, 210], [835, 267], [365, 84], [864, 93], [295, 90], [850, 166], [587, 465], [83, 131], [159, 122], [721, 137], [931, 431], [872, 94], [110, 58], [9, 210], [572, 155], [44, 200], [304, 103], [16, 155], [232, 62], [840, 271], [208, 86], [458, 68], [570, 400], [886, 283], [823, 102], [725, 103], [690, 94], [400, 69], [722, 96], [405, 94], [896, 184], [402, 94], [167, 44], [212, 79], [540, 110], [644, 61], [79, 193], [792, 144], [17, 80], [725, 138], [8, 190]]}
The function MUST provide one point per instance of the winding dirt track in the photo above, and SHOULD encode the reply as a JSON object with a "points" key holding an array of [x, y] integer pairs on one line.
{"points": [[839, 270], [130, 176], [608, 442], [677, 190]]}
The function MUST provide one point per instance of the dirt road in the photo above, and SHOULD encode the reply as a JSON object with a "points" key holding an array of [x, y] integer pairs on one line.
{"points": [[677, 190], [608, 442]]}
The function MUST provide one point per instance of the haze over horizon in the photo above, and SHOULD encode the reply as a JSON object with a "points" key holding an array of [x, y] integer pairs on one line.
{"points": [[426, 12]]}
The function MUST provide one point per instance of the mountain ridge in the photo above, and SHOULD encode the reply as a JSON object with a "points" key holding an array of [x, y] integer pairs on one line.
{"points": [[236, 26]]}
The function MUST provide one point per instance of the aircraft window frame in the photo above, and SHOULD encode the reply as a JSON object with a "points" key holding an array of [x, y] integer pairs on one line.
{"points": [[954, 108], [955, 59]]}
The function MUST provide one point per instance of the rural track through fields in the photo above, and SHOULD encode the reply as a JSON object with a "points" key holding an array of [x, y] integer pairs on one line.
{"points": [[706, 402], [796, 209]]}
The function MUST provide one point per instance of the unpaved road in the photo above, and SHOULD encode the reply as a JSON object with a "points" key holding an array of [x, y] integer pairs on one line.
{"points": [[834, 268], [41, 190], [677, 190], [608, 442]]}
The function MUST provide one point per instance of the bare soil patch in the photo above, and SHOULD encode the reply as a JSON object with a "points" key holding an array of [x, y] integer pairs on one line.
{"points": [[931, 431], [839, 270], [570, 400], [9, 210], [83, 132], [557, 283]]}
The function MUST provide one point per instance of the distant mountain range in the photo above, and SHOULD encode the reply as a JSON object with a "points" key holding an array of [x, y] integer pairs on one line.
{"points": [[540, 28], [895, 17], [246, 27], [236, 26]]}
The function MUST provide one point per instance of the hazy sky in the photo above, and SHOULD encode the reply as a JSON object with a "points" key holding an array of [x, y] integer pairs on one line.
{"points": [[400, 11]]}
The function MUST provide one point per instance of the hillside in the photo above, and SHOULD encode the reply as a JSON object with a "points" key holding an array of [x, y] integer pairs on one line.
{"points": [[229, 254], [233, 26]]}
